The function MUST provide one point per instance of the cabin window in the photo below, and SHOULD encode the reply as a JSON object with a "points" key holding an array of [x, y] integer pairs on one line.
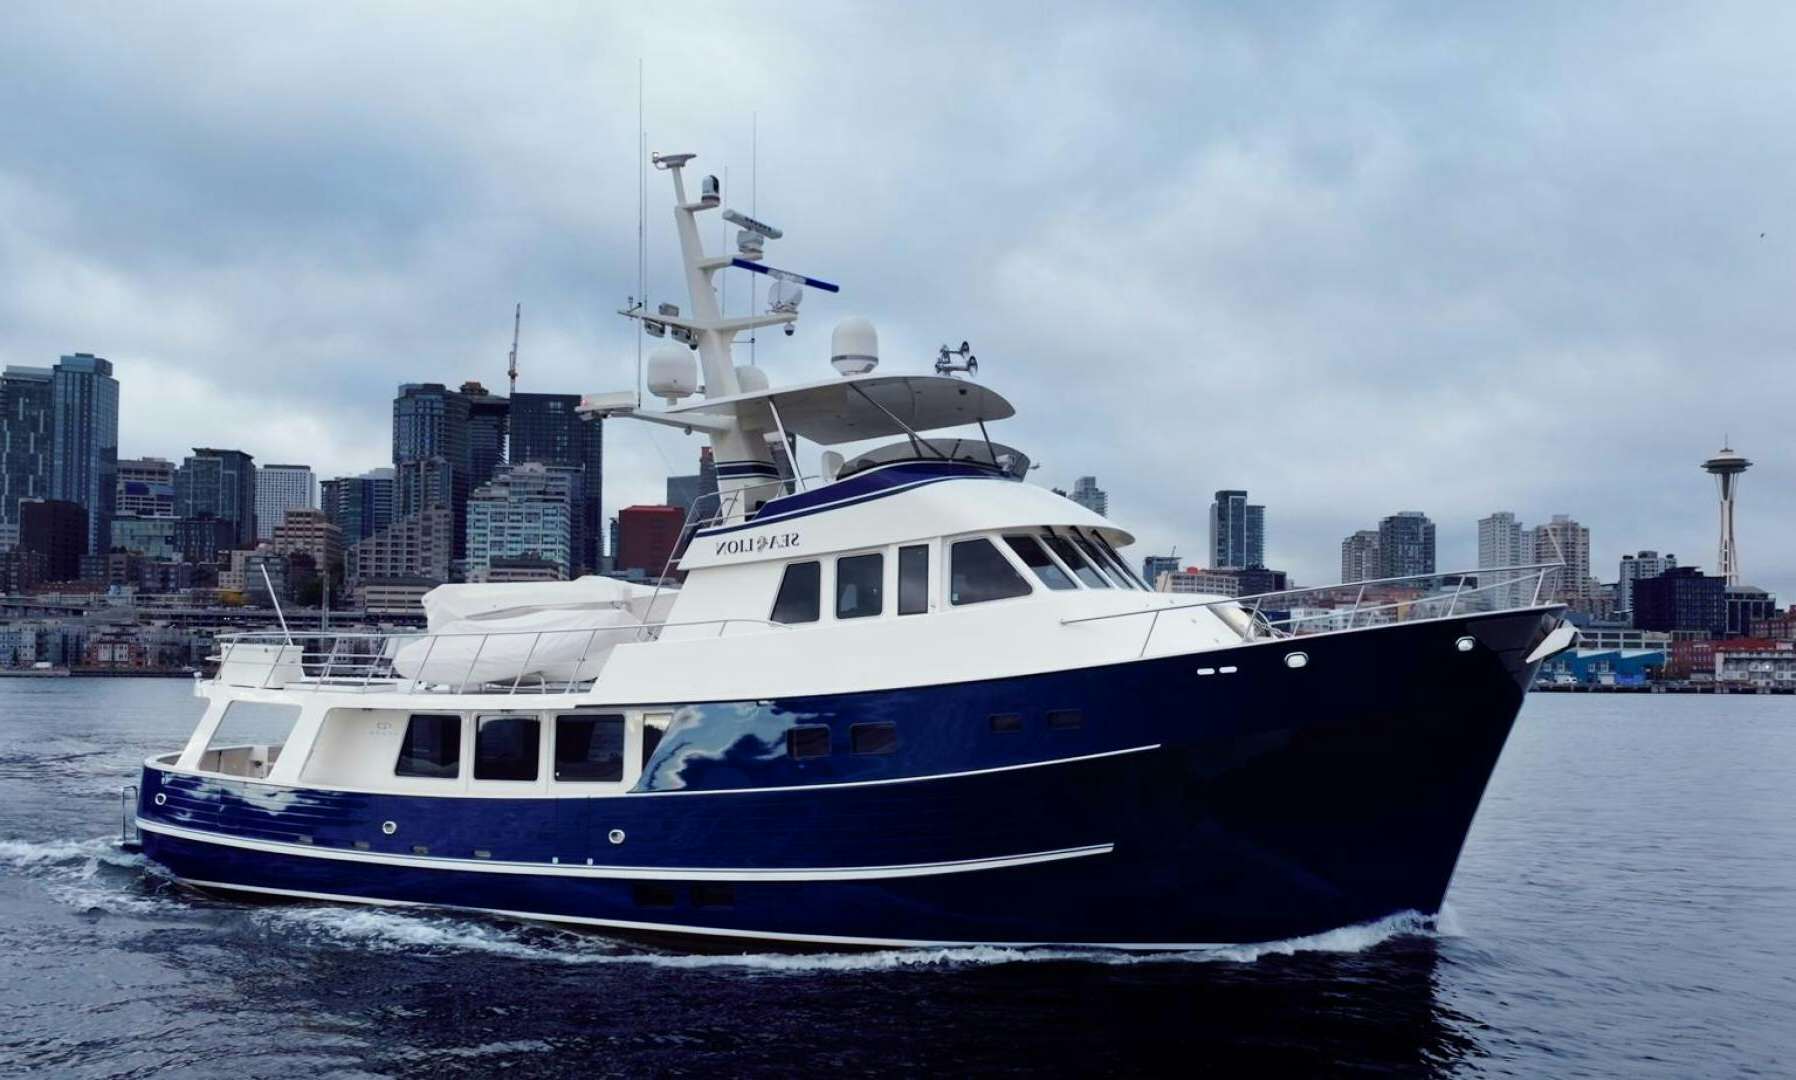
{"points": [[1029, 550], [860, 585], [431, 747], [1070, 556], [1006, 723], [1065, 719], [506, 748], [1098, 562], [589, 748], [875, 738], [1121, 568], [808, 741], [913, 580], [978, 573], [799, 594]]}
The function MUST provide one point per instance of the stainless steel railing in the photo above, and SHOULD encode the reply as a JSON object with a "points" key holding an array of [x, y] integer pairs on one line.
{"points": [[1255, 622]]}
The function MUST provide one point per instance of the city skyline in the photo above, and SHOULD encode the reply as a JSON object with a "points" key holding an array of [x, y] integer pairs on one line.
{"points": [[1365, 269]]}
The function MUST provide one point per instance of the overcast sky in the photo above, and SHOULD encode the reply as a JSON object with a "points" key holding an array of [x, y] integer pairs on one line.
{"points": [[1354, 259]]}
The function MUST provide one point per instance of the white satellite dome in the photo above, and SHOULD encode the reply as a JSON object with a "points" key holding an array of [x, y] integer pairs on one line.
{"points": [[854, 346], [673, 373], [750, 379]]}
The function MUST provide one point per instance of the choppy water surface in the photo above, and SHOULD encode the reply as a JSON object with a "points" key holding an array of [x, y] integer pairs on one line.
{"points": [[1626, 906]]}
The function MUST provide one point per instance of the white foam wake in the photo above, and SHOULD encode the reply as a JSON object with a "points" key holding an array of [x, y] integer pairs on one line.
{"points": [[411, 931]]}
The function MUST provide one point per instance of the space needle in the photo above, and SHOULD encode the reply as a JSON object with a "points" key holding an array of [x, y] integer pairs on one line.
{"points": [[1726, 466]]}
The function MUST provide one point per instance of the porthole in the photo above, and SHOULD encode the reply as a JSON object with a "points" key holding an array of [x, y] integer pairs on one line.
{"points": [[389, 827], [161, 799], [616, 836], [1296, 660], [1465, 644]]}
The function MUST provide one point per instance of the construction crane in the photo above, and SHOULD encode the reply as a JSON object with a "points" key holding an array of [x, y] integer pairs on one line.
{"points": [[511, 370]]}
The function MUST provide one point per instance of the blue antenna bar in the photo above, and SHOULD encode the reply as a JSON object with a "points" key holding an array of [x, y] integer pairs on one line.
{"points": [[785, 275]]}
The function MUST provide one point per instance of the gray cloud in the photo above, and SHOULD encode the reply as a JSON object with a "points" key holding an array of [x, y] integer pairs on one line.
{"points": [[1354, 259]]}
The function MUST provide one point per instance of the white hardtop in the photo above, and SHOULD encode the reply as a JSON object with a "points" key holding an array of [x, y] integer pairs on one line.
{"points": [[858, 407]]}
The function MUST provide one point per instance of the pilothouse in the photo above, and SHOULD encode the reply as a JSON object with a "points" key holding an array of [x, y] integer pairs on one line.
{"points": [[901, 696]]}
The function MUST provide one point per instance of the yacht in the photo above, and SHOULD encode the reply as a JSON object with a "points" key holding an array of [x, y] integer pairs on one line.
{"points": [[905, 698]]}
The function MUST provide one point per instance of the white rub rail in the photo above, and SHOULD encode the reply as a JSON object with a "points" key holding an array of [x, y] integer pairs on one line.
{"points": [[1256, 625]]}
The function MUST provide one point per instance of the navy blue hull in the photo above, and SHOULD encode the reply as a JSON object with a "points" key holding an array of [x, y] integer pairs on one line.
{"points": [[1265, 803]]}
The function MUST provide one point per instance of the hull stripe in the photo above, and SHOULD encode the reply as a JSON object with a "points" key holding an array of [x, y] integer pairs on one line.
{"points": [[627, 873], [152, 763], [707, 931]]}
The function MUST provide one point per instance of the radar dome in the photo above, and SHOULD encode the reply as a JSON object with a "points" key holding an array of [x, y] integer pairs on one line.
{"points": [[854, 346], [673, 373], [750, 379]]}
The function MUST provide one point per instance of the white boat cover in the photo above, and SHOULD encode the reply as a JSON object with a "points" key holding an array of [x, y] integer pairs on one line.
{"points": [[528, 632]]}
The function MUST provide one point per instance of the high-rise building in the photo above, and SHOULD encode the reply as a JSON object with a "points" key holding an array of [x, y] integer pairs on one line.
{"points": [[1405, 545], [280, 488], [57, 530], [416, 546], [1500, 544], [1682, 600], [1237, 532], [359, 505], [202, 540], [526, 510], [1087, 494], [1563, 540], [219, 484], [304, 531], [430, 421], [146, 488], [1641, 564], [1359, 556], [698, 489], [27, 425], [549, 430], [1152, 566], [646, 536], [488, 424], [84, 440]]}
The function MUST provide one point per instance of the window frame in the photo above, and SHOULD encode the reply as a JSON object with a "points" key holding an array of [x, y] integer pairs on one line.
{"points": [[1053, 540], [1070, 582], [996, 543], [460, 720], [542, 745], [928, 577], [780, 589], [624, 769], [836, 584]]}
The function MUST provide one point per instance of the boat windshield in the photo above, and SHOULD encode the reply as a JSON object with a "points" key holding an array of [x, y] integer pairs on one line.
{"points": [[1005, 459]]}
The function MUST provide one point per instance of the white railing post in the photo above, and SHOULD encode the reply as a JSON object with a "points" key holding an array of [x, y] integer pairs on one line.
{"points": [[468, 673], [431, 645], [525, 666]]}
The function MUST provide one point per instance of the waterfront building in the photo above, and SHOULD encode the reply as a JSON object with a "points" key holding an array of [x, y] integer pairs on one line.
{"points": [[27, 426], [1747, 604], [21, 571], [311, 533], [1237, 531], [84, 440], [1683, 600], [526, 510], [419, 545], [1359, 556], [1152, 566], [151, 537], [1197, 580], [1769, 665], [113, 569], [1087, 494], [1500, 544], [146, 488], [280, 488], [646, 537], [219, 484], [547, 429], [1604, 666], [57, 530], [245, 575], [360, 505], [1641, 564], [1780, 626], [1405, 545], [1621, 637]]}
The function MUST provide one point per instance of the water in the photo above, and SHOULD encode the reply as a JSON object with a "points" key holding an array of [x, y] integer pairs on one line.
{"points": [[1626, 906]]}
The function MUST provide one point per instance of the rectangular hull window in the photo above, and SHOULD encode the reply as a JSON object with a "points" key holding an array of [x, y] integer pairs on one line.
{"points": [[860, 586], [808, 741], [879, 738], [432, 747], [506, 748], [913, 580], [1065, 719], [1005, 723], [799, 596], [589, 748]]}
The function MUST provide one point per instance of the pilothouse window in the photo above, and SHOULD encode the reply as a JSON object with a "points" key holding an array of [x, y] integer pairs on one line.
{"points": [[1071, 557], [1030, 551], [505, 748], [860, 586], [799, 595], [978, 573], [589, 748], [1096, 558], [431, 747], [913, 580]]}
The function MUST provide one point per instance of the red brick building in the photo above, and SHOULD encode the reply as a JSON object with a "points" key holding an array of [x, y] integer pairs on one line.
{"points": [[647, 536]]}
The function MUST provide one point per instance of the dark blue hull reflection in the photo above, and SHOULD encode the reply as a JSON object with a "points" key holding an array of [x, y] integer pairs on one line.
{"points": [[1262, 804]]}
